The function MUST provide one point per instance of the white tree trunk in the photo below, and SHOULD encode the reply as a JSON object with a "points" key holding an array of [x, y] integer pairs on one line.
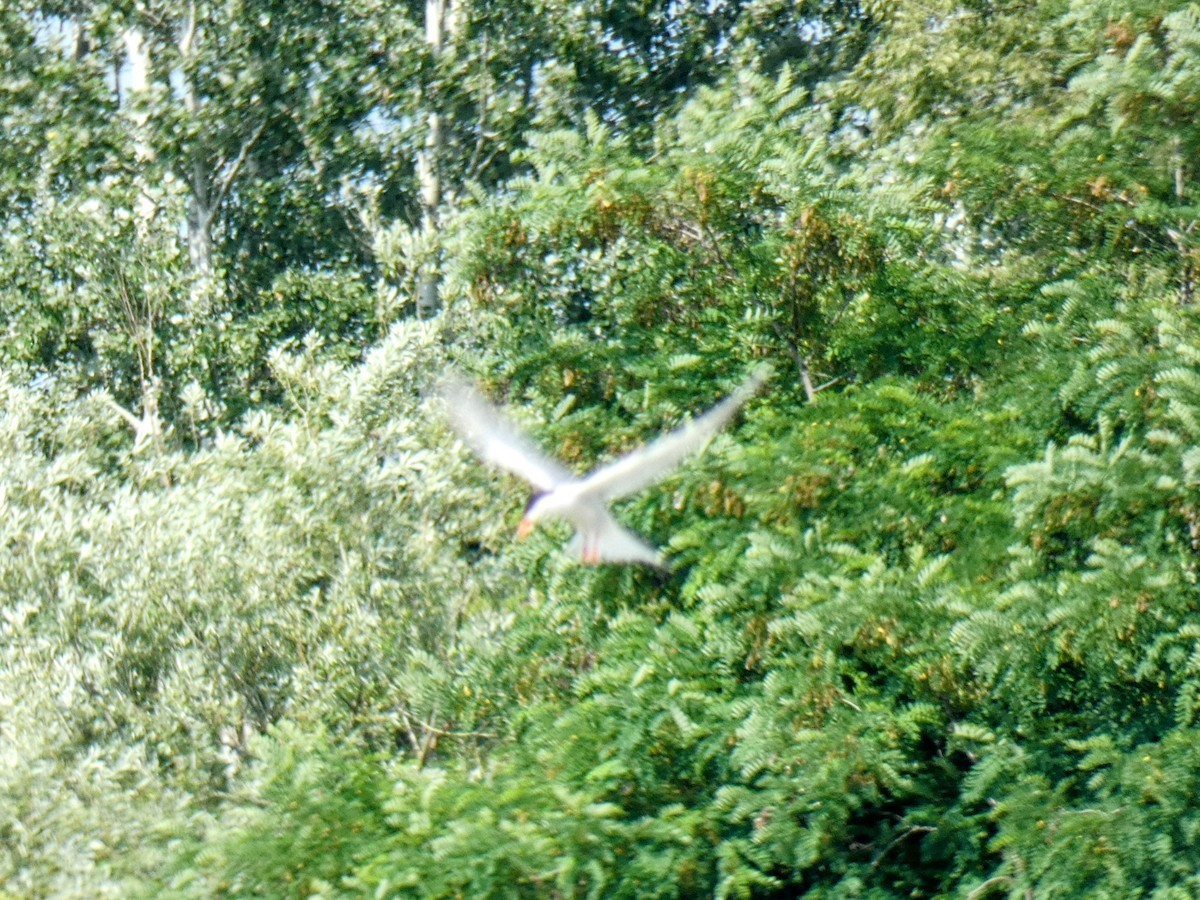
{"points": [[140, 317], [201, 209], [429, 171], [137, 84]]}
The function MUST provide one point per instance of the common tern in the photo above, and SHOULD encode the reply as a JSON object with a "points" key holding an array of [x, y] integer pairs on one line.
{"points": [[583, 502]]}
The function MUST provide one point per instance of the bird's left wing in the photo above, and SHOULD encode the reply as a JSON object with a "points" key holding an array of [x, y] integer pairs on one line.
{"points": [[648, 464], [494, 439]]}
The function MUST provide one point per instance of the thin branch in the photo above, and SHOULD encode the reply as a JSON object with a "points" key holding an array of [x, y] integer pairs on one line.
{"points": [[988, 885], [850, 703], [225, 182], [428, 742], [412, 735], [915, 829], [850, 295], [799, 359], [457, 734], [134, 422], [715, 246], [830, 383], [1100, 210]]}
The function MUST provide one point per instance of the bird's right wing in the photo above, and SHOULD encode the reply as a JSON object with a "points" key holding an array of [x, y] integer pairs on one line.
{"points": [[494, 439], [648, 464]]}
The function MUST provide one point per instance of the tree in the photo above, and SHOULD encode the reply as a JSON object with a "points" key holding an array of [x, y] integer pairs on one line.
{"points": [[931, 625]]}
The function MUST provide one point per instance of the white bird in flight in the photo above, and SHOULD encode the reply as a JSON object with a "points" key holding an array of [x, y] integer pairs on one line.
{"points": [[584, 501]]}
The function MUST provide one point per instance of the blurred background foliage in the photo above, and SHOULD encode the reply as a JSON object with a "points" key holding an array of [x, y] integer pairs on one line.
{"points": [[931, 628]]}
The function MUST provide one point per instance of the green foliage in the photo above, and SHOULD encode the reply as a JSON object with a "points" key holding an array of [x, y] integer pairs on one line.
{"points": [[931, 625], [332, 818]]}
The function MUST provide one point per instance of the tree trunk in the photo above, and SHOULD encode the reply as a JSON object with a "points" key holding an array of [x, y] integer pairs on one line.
{"points": [[429, 279], [201, 207], [199, 227], [137, 79], [139, 314], [429, 170]]}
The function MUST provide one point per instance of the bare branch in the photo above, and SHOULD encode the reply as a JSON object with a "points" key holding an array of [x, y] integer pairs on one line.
{"points": [[830, 383], [904, 835], [801, 361], [457, 734], [187, 37], [988, 885], [133, 421], [225, 182]]}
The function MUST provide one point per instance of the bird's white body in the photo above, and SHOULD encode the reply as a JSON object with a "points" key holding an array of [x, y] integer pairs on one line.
{"points": [[598, 536], [583, 502]]}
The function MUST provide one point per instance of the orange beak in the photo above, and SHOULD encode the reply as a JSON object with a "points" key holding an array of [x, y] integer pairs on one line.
{"points": [[523, 529]]}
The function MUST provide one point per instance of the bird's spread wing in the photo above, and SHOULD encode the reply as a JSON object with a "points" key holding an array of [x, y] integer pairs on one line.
{"points": [[648, 464], [494, 439]]}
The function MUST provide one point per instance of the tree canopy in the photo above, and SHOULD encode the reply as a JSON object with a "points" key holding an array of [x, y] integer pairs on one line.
{"points": [[931, 628]]}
